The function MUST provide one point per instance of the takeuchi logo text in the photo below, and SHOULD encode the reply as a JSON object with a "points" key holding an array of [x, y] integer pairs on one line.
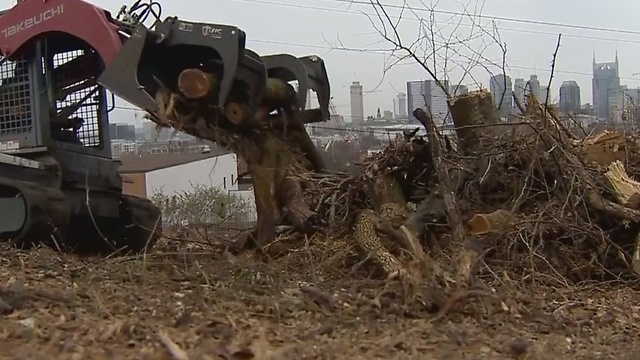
{"points": [[33, 21]]}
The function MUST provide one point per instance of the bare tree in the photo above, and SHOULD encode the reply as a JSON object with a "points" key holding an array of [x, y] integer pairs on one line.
{"points": [[442, 46]]}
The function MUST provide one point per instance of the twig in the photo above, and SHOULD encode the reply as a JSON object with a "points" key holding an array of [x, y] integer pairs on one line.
{"points": [[176, 352], [93, 220]]}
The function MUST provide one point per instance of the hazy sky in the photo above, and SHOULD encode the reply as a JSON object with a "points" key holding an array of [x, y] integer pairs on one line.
{"points": [[341, 33]]}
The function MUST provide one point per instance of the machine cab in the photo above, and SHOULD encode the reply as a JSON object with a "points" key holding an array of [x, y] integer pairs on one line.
{"points": [[50, 98]]}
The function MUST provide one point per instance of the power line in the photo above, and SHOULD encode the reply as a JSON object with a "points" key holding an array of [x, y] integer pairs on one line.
{"points": [[494, 17], [379, 52], [411, 62], [444, 12]]}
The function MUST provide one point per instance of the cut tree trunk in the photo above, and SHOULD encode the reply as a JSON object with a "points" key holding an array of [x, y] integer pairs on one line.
{"points": [[477, 124], [475, 118], [273, 156], [265, 174]]}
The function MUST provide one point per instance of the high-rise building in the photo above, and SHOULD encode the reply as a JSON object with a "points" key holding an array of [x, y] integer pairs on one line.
{"points": [[402, 105], [606, 87], [430, 97], [500, 88], [357, 103], [570, 97], [519, 87], [632, 96], [533, 87]]}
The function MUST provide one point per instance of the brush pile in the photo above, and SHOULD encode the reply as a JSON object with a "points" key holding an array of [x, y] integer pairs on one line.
{"points": [[526, 195]]}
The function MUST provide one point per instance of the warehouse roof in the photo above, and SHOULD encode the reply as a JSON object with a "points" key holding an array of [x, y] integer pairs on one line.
{"points": [[133, 163]]}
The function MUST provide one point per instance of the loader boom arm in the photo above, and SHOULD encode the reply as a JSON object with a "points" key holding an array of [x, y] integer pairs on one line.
{"points": [[30, 19]]}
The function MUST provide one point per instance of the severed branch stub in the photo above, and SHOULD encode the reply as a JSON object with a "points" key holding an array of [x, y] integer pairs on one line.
{"points": [[494, 222]]}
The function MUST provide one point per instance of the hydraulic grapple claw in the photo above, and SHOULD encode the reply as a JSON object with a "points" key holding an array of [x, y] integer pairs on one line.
{"points": [[208, 60], [309, 71], [252, 76]]}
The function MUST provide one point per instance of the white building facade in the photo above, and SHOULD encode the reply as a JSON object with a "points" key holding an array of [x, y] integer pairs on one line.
{"points": [[220, 171]]}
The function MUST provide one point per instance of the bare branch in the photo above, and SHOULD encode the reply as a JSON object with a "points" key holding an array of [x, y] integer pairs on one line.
{"points": [[553, 68]]}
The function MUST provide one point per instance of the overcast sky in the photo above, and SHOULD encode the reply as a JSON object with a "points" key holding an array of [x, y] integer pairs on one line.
{"points": [[322, 27]]}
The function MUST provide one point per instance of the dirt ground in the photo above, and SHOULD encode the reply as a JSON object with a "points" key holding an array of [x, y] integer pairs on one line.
{"points": [[202, 305]]}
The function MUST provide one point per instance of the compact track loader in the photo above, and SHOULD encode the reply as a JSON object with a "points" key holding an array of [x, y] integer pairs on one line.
{"points": [[62, 60]]}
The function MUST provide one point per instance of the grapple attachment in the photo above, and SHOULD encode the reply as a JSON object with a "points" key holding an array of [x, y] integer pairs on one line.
{"points": [[308, 71], [202, 61]]}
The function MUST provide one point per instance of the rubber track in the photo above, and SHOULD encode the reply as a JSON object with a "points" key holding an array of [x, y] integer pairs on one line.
{"points": [[47, 209]]}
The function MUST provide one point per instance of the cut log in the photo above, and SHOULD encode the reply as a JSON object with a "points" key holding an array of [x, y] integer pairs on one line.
{"points": [[196, 84], [495, 222], [274, 156], [625, 188], [279, 94], [308, 116], [477, 124]]}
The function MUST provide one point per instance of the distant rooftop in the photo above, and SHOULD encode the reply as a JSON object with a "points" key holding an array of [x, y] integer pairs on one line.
{"points": [[142, 163], [569, 83]]}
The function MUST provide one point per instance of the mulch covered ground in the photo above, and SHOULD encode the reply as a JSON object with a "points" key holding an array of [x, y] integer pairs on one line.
{"points": [[197, 304]]}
